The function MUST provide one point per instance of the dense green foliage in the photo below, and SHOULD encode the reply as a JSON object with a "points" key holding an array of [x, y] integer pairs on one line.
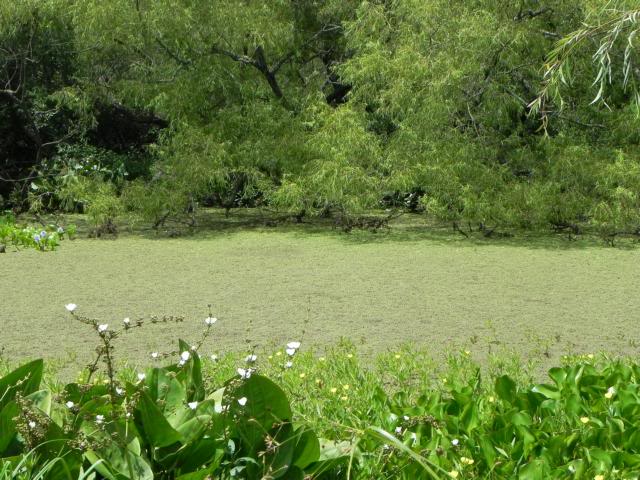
{"points": [[177, 422], [330, 107], [40, 238]]}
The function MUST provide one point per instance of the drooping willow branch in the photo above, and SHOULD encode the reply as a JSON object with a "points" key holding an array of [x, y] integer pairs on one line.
{"points": [[619, 25]]}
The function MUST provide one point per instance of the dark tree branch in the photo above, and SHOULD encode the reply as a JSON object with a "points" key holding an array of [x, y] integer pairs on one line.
{"points": [[173, 55], [528, 14]]}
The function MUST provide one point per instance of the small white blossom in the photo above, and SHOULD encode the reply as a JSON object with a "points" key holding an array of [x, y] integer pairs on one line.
{"points": [[288, 364], [214, 357], [242, 401], [455, 442], [141, 376], [103, 327], [71, 306], [294, 345], [119, 391], [193, 348], [70, 404], [126, 321], [291, 351], [406, 418], [218, 408], [251, 358], [210, 320], [244, 373], [60, 230], [398, 430], [154, 354], [611, 391], [193, 405], [32, 424], [185, 356], [99, 419]]}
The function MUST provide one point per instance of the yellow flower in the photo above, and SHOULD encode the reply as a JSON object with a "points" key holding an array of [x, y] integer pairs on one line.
{"points": [[302, 375], [466, 461], [590, 356], [467, 352], [278, 353], [349, 355], [334, 390], [345, 387], [444, 380], [598, 477], [318, 381], [492, 400], [397, 355], [344, 398], [454, 474], [322, 359], [270, 357], [584, 420]]}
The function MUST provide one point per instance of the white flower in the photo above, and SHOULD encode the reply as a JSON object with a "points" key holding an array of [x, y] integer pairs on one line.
{"points": [[414, 437], [251, 358], [291, 351], [242, 401], [181, 363], [126, 321], [214, 357], [154, 354], [119, 391], [194, 348], [455, 442], [185, 356], [99, 419], [103, 327], [71, 306], [193, 405], [218, 408], [398, 430], [210, 320], [406, 418], [611, 391], [70, 404], [32, 424], [288, 365], [244, 373], [294, 345], [141, 376], [60, 230]]}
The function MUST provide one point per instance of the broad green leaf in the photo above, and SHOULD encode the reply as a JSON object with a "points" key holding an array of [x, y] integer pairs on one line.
{"points": [[506, 389], [157, 430], [24, 379], [266, 408], [307, 448]]}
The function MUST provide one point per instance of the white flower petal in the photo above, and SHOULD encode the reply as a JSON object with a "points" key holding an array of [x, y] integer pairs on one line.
{"points": [[71, 306], [185, 356], [291, 351], [70, 404], [242, 401], [193, 405], [103, 327], [294, 345]]}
